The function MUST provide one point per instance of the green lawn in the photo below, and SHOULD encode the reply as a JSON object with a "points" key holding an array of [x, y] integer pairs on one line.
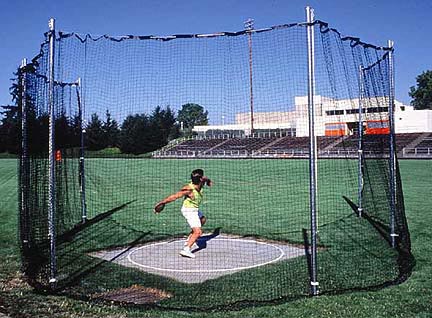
{"points": [[410, 299]]}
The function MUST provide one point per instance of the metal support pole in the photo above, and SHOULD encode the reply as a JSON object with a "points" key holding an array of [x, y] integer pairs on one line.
{"points": [[392, 155], [81, 160], [249, 27], [51, 151], [24, 167], [360, 143], [312, 148]]}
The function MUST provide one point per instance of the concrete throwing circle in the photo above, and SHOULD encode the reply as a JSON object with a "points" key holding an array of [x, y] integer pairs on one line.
{"points": [[216, 256], [221, 254]]}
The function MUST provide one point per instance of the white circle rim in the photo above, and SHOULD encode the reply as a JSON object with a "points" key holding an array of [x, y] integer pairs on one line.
{"points": [[282, 254]]}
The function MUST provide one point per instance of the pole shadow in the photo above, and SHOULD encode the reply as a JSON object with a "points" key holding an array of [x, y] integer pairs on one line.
{"points": [[382, 229], [78, 275], [70, 234], [307, 253]]}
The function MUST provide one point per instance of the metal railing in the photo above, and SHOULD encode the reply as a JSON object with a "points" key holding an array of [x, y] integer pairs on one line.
{"points": [[417, 152], [280, 153]]}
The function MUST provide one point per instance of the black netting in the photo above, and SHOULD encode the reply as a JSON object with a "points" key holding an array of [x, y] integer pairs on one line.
{"points": [[124, 141]]}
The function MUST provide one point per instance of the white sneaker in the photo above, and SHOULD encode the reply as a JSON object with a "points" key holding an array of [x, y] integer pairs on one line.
{"points": [[187, 253]]}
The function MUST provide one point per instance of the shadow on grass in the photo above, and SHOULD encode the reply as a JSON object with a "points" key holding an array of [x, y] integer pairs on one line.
{"points": [[406, 260], [382, 229], [307, 252], [87, 276], [78, 275], [72, 250], [69, 235]]}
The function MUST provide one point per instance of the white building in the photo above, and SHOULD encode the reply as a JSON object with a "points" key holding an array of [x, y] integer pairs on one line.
{"points": [[409, 120], [329, 113]]}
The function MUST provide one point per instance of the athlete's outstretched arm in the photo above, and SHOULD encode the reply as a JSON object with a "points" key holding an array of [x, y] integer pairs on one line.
{"points": [[185, 191]]}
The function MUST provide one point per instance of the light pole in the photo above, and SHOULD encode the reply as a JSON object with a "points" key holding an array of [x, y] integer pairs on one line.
{"points": [[249, 26]]}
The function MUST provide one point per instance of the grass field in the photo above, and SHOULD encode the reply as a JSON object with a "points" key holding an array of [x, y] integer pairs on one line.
{"points": [[411, 299]]}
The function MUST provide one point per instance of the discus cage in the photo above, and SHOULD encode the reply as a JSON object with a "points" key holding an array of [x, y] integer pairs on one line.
{"points": [[298, 136]]}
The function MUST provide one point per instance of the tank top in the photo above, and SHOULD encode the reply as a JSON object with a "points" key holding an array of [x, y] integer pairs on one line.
{"points": [[198, 196]]}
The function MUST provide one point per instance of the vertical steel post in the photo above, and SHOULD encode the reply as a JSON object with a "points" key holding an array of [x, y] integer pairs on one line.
{"points": [[81, 160], [360, 142], [312, 148], [392, 155], [51, 154], [249, 27], [24, 164]]}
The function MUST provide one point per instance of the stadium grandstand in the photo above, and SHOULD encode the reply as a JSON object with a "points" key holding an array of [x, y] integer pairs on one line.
{"points": [[285, 134]]}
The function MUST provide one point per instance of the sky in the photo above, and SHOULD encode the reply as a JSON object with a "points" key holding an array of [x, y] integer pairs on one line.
{"points": [[23, 24]]}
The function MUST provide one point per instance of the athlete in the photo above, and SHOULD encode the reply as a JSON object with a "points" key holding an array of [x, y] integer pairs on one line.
{"points": [[192, 195]]}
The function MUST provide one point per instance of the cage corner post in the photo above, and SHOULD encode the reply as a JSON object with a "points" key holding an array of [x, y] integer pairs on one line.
{"points": [[51, 160], [392, 145], [360, 141], [24, 161], [312, 151], [82, 152]]}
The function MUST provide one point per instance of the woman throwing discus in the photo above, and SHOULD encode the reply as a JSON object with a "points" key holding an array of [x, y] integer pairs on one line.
{"points": [[192, 194]]}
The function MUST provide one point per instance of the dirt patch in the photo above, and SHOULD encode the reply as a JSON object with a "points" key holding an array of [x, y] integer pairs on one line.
{"points": [[14, 282], [135, 294]]}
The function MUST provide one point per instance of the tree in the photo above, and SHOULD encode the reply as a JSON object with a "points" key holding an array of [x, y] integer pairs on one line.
{"points": [[38, 133], [99, 135], [163, 127], [63, 132], [422, 94], [3, 138], [191, 115], [10, 129], [75, 130], [95, 136], [111, 130], [135, 134]]}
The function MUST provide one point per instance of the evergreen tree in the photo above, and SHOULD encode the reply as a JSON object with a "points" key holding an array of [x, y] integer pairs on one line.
{"points": [[163, 124], [10, 129], [111, 130], [135, 134], [95, 136], [75, 130], [63, 132]]}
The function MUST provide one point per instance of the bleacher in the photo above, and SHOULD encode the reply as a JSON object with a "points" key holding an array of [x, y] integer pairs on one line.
{"points": [[294, 147], [377, 143], [242, 145], [420, 148], [403, 140], [196, 145], [290, 143], [286, 147], [426, 142], [326, 141]]}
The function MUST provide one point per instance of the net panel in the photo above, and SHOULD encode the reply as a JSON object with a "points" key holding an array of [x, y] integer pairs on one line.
{"points": [[234, 105], [340, 65], [33, 174]]}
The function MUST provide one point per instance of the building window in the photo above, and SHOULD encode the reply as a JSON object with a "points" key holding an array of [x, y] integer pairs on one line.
{"points": [[352, 111], [334, 112]]}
